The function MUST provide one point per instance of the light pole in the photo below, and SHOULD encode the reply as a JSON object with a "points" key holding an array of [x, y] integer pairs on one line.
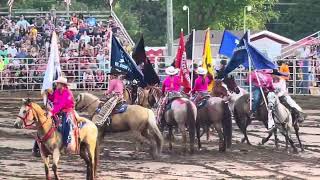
{"points": [[186, 8], [170, 27], [246, 8]]}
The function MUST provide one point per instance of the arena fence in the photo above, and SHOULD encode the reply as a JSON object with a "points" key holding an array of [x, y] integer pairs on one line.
{"points": [[87, 73]]}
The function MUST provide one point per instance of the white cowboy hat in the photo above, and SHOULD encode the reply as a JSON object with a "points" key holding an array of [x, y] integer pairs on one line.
{"points": [[171, 70], [201, 71], [61, 80]]}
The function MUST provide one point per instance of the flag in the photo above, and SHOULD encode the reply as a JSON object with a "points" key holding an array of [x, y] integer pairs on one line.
{"points": [[121, 61], [207, 61], [181, 63], [53, 70], [185, 74], [10, 3], [139, 53], [228, 43], [241, 55], [189, 46], [180, 51], [150, 76]]}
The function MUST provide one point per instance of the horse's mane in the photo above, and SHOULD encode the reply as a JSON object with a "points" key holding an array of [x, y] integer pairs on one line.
{"points": [[37, 107]]}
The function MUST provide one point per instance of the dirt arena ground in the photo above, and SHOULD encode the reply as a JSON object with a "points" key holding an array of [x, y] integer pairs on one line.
{"points": [[117, 160]]}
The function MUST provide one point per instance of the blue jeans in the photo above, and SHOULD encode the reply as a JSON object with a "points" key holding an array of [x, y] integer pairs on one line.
{"points": [[256, 95]]}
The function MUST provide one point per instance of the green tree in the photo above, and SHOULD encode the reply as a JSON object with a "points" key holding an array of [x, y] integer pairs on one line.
{"points": [[300, 20]]}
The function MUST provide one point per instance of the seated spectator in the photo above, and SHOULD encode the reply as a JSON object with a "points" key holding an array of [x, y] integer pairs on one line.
{"points": [[12, 50], [22, 24], [100, 79], [88, 80]]}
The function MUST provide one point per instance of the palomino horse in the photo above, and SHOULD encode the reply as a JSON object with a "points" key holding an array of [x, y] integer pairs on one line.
{"points": [[144, 97], [282, 118], [51, 140], [181, 113], [140, 121]]}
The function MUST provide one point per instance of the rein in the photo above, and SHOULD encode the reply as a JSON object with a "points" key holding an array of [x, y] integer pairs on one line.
{"points": [[85, 107]]}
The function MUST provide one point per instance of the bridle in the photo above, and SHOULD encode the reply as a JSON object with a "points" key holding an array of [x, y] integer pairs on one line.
{"points": [[24, 119]]}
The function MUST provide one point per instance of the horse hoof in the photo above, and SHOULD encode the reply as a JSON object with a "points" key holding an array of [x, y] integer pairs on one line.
{"points": [[295, 151], [243, 140]]}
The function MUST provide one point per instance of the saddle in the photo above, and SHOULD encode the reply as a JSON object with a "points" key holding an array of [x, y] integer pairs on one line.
{"points": [[171, 97], [121, 107], [202, 101]]}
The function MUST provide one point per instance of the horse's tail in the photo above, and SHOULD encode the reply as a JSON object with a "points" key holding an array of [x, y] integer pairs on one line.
{"points": [[227, 125], [153, 126], [191, 122]]}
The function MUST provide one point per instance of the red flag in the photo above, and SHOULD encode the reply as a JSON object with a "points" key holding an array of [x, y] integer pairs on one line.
{"points": [[180, 51], [185, 74]]}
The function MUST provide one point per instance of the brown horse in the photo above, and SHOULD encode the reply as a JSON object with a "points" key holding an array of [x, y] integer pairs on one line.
{"points": [[182, 114], [215, 112], [144, 97], [140, 121], [51, 140]]}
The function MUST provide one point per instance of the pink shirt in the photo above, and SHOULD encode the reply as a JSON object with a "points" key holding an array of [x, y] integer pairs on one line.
{"points": [[199, 86], [62, 100], [265, 79], [171, 84], [115, 86]]}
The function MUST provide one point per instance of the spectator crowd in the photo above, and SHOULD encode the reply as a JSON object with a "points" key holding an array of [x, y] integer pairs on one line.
{"points": [[84, 46]]}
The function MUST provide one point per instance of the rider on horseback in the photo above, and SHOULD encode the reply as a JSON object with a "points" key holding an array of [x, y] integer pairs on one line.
{"points": [[286, 100], [262, 79], [200, 89], [63, 108], [170, 89], [115, 85], [259, 79]]}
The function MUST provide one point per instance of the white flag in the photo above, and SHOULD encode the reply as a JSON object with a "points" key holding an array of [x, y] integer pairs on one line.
{"points": [[53, 67]]}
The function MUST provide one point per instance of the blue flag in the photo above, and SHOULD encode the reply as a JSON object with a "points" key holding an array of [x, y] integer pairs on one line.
{"points": [[228, 43], [241, 55], [121, 61]]}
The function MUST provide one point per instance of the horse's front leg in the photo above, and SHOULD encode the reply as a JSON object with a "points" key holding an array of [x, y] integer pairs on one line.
{"points": [[55, 157], [170, 137]]}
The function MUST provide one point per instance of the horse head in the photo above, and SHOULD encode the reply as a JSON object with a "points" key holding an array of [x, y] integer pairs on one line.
{"points": [[219, 90], [272, 100], [231, 84], [26, 117]]}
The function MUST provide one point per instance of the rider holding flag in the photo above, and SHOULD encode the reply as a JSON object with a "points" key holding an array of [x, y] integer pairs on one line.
{"points": [[201, 84]]}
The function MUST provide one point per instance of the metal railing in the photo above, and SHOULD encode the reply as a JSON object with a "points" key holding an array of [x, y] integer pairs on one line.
{"points": [[82, 73], [304, 75], [87, 73]]}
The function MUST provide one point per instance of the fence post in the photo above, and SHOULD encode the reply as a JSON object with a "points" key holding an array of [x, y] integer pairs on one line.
{"points": [[294, 77], [79, 72]]}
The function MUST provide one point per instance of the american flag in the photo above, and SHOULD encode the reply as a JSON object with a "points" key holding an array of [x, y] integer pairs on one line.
{"points": [[68, 2], [10, 3]]}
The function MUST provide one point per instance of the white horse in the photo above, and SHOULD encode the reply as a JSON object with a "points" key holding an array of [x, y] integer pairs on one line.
{"points": [[282, 118]]}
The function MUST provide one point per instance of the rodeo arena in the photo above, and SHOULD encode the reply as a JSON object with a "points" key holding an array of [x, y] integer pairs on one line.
{"points": [[81, 100]]}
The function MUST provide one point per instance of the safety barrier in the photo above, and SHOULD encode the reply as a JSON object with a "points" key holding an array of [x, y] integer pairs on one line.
{"points": [[87, 73]]}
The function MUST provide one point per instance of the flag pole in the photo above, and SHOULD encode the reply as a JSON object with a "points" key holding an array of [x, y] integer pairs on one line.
{"points": [[110, 45], [250, 78], [192, 57], [255, 73]]}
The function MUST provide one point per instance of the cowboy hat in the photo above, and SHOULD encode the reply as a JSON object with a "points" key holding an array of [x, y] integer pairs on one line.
{"points": [[61, 80], [171, 70], [201, 71]]}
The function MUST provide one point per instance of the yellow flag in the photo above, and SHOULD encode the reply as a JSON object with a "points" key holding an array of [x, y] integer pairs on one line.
{"points": [[207, 61]]}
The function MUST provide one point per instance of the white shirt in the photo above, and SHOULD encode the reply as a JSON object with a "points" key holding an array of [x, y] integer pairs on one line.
{"points": [[12, 51], [281, 87]]}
